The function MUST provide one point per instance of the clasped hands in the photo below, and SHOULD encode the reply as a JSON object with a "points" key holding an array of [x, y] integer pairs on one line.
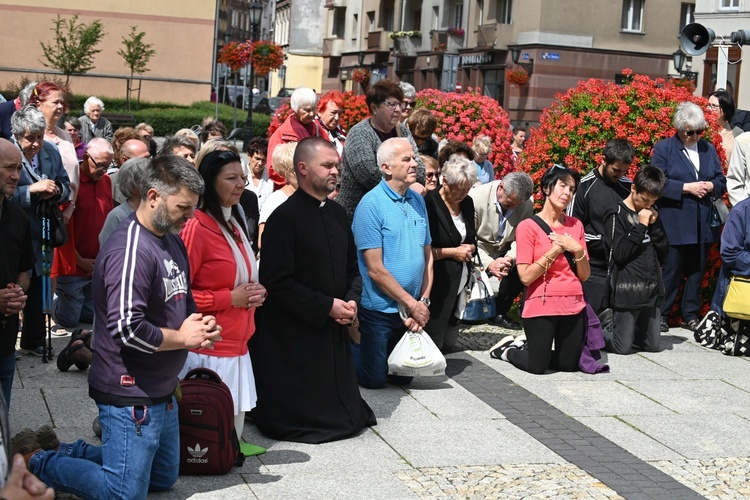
{"points": [[699, 189], [249, 295], [419, 315], [200, 332], [565, 243], [500, 267], [12, 299], [344, 313]]}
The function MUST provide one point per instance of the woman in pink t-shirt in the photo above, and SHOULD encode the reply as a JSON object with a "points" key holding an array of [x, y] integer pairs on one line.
{"points": [[554, 305]]}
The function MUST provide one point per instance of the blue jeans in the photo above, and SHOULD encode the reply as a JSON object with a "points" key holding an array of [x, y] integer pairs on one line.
{"points": [[75, 302], [380, 334], [127, 465], [7, 370]]}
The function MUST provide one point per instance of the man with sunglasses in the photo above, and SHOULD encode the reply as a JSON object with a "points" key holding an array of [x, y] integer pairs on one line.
{"points": [[74, 261], [597, 195]]}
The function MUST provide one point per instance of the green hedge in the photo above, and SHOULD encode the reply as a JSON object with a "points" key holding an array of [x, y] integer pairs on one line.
{"points": [[168, 118]]}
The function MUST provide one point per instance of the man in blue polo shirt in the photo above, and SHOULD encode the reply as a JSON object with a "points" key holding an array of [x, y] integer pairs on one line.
{"points": [[395, 260]]}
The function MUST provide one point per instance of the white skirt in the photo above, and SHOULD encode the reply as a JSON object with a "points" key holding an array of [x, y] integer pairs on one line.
{"points": [[236, 372]]}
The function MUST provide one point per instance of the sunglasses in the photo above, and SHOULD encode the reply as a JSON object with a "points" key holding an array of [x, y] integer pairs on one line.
{"points": [[690, 133], [408, 104], [431, 175]]}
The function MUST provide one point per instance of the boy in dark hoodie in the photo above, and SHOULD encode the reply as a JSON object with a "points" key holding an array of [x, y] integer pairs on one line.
{"points": [[636, 245]]}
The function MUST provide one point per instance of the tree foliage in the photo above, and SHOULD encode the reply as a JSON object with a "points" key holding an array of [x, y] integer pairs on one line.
{"points": [[73, 48], [136, 53]]}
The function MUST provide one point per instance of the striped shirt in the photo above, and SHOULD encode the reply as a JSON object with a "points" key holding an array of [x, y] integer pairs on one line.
{"points": [[141, 284]]}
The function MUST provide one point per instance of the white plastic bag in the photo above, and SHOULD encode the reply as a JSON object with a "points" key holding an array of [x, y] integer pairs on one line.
{"points": [[416, 355]]}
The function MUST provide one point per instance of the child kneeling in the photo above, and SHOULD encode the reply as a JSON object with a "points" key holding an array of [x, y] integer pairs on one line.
{"points": [[637, 246]]}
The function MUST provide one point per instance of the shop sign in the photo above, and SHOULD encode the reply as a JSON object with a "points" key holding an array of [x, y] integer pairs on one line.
{"points": [[477, 59], [551, 56]]}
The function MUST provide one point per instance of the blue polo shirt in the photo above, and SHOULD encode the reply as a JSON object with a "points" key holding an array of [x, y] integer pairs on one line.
{"points": [[397, 224]]}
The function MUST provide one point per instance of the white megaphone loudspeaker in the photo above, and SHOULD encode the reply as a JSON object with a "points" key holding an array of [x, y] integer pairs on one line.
{"points": [[695, 39]]}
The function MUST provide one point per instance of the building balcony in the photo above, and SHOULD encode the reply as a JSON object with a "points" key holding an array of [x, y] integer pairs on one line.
{"points": [[379, 41], [487, 36], [407, 45], [332, 4], [442, 41], [333, 46]]}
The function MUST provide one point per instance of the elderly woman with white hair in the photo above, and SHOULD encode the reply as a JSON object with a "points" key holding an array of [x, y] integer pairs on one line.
{"points": [[297, 126], [451, 215], [43, 181], [93, 124], [694, 178]]}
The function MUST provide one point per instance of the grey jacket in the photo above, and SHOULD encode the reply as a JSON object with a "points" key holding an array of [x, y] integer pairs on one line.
{"points": [[360, 171]]}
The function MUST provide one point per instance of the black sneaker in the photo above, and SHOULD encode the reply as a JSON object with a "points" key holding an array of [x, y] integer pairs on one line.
{"points": [[506, 322], [663, 325], [497, 350]]}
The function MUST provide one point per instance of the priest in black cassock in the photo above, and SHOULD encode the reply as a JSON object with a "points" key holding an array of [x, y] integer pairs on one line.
{"points": [[307, 388]]}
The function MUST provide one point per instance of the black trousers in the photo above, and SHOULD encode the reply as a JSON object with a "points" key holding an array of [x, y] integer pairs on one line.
{"points": [[688, 261], [597, 290], [510, 287], [567, 333], [34, 329]]}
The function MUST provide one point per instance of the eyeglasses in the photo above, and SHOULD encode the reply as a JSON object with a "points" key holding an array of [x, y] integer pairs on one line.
{"points": [[690, 133], [558, 166], [99, 166], [431, 175], [394, 104], [713, 106]]}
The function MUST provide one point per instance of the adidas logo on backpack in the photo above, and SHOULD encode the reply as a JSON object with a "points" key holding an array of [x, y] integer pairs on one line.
{"points": [[197, 454]]}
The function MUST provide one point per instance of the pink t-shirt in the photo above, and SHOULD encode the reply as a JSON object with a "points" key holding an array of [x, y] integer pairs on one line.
{"points": [[564, 292]]}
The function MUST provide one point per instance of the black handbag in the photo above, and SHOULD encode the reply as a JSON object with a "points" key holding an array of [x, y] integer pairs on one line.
{"points": [[49, 212]]}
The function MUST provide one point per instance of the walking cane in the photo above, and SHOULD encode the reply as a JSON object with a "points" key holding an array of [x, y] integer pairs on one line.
{"points": [[46, 281]]}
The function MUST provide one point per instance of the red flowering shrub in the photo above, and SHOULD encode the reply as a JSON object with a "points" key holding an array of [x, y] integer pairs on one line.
{"points": [[575, 128], [355, 110], [469, 114]]}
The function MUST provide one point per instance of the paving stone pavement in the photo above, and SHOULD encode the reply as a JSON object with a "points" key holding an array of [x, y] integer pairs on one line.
{"points": [[672, 424]]}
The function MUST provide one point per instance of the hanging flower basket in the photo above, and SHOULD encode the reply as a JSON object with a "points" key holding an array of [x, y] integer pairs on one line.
{"points": [[265, 56], [517, 77], [361, 75], [235, 55]]}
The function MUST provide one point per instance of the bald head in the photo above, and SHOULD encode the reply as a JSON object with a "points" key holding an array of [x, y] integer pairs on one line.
{"points": [[10, 167], [133, 148]]}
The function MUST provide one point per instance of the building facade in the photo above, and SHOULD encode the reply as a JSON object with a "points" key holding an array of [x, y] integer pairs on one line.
{"points": [[724, 17], [457, 44], [182, 33]]}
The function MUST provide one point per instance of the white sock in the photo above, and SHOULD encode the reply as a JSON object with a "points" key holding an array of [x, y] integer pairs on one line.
{"points": [[239, 424]]}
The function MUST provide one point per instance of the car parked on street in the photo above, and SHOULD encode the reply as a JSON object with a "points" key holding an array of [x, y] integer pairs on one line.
{"points": [[269, 105]]}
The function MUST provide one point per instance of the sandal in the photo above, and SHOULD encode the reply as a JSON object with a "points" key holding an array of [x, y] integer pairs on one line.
{"points": [[63, 359]]}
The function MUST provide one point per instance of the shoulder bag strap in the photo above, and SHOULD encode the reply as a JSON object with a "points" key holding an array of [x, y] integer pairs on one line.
{"points": [[548, 230]]}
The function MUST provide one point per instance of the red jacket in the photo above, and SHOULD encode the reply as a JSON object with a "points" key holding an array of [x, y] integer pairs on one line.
{"points": [[212, 271], [292, 130]]}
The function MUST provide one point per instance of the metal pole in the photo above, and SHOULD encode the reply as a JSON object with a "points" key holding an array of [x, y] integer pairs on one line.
{"points": [[215, 81], [249, 132], [234, 126]]}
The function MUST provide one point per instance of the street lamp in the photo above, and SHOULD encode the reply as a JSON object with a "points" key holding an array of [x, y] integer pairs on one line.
{"points": [[515, 53], [678, 58], [256, 11]]}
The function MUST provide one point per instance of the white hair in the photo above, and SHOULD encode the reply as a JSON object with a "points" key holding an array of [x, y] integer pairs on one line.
{"points": [[303, 96], [387, 151], [92, 101]]}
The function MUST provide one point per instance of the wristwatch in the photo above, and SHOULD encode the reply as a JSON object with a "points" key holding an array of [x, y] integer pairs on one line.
{"points": [[426, 301]]}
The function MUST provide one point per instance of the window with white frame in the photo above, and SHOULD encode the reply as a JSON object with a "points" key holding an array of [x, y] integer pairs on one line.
{"points": [[355, 26], [371, 21], [687, 14], [504, 11], [480, 12], [458, 15], [339, 22], [435, 18], [632, 15], [729, 4]]}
